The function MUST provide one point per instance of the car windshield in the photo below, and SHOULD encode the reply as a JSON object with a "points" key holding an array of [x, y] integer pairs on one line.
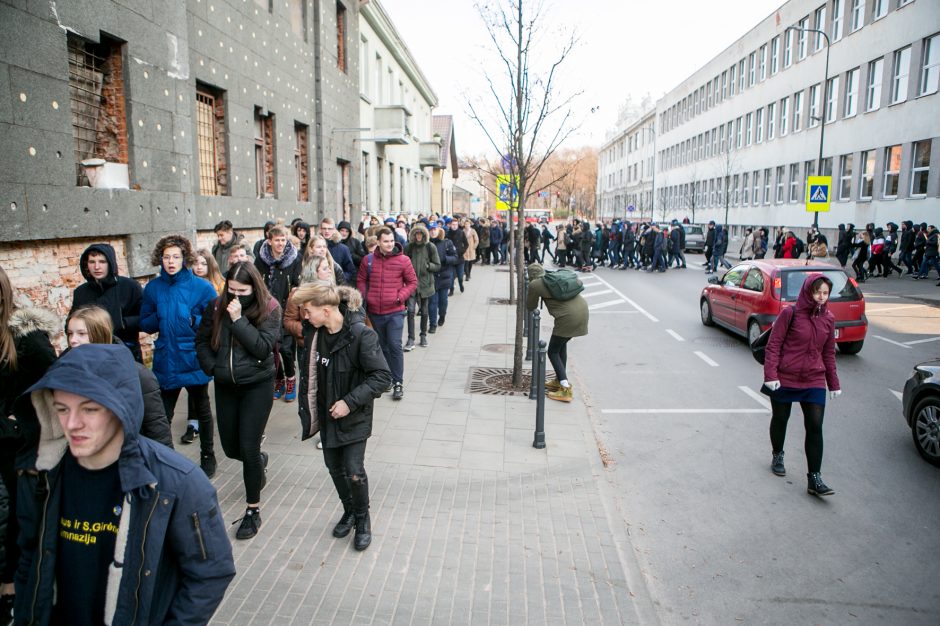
{"points": [[693, 230], [842, 288]]}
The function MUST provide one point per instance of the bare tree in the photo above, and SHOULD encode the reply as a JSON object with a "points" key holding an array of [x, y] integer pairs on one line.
{"points": [[728, 167], [691, 197], [530, 118]]}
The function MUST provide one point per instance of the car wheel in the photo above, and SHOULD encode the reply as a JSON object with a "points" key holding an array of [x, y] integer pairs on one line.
{"points": [[707, 313], [850, 347], [753, 332], [925, 429]]}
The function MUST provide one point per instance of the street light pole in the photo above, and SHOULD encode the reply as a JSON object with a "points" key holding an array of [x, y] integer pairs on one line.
{"points": [[825, 98]]}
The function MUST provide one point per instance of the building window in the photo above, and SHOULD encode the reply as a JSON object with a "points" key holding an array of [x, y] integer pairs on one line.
{"points": [[879, 9], [751, 69], [902, 64], [364, 76], [902, 3], [784, 116], [340, 36], [832, 97], [781, 172], [797, 111], [759, 126], [921, 168], [762, 62], [97, 102], [867, 181], [264, 155], [813, 106], [766, 199], [714, 141], [801, 38], [721, 138], [819, 23], [732, 75], [858, 14], [794, 183], [342, 189], [771, 120], [741, 76], [851, 93], [724, 84], [930, 68], [845, 177], [787, 49], [873, 92], [892, 171], [301, 161], [735, 190], [745, 189], [774, 55], [738, 133], [836, 33], [210, 141], [298, 17], [749, 127], [755, 188]]}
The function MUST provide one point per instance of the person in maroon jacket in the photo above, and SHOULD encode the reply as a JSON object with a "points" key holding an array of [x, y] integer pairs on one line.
{"points": [[386, 279], [800, 364]]}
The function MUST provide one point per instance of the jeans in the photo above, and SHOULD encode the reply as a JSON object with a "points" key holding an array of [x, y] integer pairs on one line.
{"points": [[243, 411], [658, 261], [545, 249], [389, 327], [678, 257], [437, 306], [347, 469], [457, 276], [503, 254], [199, 400], [929, 261], [558, 356], [419, 305], [493, 254], [287, 352], [907, 258]]}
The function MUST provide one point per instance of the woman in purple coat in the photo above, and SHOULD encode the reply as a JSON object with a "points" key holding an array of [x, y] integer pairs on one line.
{"points": [[799, 366]]}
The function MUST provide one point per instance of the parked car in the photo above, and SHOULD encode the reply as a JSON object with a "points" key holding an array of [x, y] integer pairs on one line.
{"points": [[750, 295], [694, 238], [921, 408]]}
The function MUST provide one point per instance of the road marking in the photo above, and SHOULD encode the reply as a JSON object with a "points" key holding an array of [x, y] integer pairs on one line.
{"points": [[616, 312], [897, 343], [603, 305], [631, 302], [705, 358], [681, 411], [897, 394], [916, 341], [674, 334], [761, 400], [893, 308], [595, 293]]}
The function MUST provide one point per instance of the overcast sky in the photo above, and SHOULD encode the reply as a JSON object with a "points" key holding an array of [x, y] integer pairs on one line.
{"points": [[627, 47]]}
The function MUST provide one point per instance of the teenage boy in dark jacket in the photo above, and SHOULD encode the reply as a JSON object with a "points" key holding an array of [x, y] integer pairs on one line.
{"points": [[356, 248], [115, 528], [120, 296], [457, 237], [444, 278]]}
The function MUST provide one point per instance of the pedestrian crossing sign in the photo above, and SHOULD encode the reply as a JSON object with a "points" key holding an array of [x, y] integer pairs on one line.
{"points": [[818, 193]]}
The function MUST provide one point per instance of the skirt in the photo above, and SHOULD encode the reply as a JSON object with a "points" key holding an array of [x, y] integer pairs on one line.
{"points": [[813, 395]]}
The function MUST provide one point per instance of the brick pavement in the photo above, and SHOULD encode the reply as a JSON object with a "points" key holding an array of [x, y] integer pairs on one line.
{"points": [[471, 525]]}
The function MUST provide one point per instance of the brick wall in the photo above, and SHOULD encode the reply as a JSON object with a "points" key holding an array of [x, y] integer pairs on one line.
{"points": [[112, 126]]}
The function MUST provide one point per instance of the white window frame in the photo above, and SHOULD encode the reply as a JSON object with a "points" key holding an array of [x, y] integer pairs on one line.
{"points": [[875, 80], [733, 78], [759, 126], [781, 184], [837, 16], [920, 170], [900, 75], [774, 55], [832, 99], [755, 188], [787, 49], [784, 116], [739, 131], [879, 9], [762, 63], [771, 121], [819, 23], [745, 189], [889, 174], [814, 102], [766, 196], [802, 37], [749, 125], [858, 14], [866, 175], [741, 76], [930, 66], [794, 195], [751, 69], [846, 162], [797, 111], [851, 93]]}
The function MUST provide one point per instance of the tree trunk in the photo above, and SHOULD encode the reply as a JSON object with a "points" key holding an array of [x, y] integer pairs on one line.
{"points": [[517, 263]]}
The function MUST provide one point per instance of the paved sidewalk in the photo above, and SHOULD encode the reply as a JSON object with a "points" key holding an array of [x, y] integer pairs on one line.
{"points": [[471, 524]]}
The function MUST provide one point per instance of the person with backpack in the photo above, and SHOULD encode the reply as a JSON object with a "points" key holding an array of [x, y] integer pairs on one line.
{"points": [[561, 293], [721, 248]]}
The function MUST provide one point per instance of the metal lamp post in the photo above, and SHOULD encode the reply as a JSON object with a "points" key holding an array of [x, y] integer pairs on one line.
{"points": [[825, 98]]}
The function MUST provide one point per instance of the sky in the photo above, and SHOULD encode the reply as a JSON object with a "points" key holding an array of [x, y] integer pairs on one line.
{"points": [[626, 48]]}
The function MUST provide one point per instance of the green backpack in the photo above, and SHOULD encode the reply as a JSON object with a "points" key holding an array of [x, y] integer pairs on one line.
{"points": [[562, 284]]}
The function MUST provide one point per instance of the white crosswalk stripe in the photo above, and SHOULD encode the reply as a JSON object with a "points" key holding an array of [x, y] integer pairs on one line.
{"points": [[602, 305]]}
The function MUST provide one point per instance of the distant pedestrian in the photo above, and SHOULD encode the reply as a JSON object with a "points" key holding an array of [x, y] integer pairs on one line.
{"points": [[470, 255], [547, 239], [228, 239], [443, 278], [426, 264], [799, 366], [458, 237]]}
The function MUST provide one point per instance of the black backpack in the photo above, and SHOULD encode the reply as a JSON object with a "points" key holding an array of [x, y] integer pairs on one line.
{"points": [[562, 284]]}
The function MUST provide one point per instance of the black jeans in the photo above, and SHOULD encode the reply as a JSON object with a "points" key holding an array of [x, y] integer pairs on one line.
{"points": [[287, 349], [558, 355], [9, 447], [467, 268], [243, 412], [198, 403], [419, 305], [346, 465], [812, 419]]}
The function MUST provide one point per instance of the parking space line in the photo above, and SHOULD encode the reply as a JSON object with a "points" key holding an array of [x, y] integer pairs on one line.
{"points": [[674, 334], [871, 312], [602, 305], [681, 411], [631, 302], [585, 294], [897, 394], [705, 358], [917, 341], [897, 343], [761, 400]]}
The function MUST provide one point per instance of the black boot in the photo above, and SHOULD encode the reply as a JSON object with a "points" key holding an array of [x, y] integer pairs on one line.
{"points": [[816, 487], [345, 523], [360, 498], [363, 531], [776, 464]]}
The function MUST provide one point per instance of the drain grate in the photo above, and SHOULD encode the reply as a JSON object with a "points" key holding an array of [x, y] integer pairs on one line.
{"points": [[498, 301], [497, 381]]}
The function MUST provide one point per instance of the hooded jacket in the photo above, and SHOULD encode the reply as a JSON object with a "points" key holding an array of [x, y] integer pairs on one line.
{"points": [[342, 257], [120, 296], [801, 351], [174, 559], [356, 248], [389, 283], [447, 254], [357, 374], [246, 352], [280, 275], [33, 330], [721, 240], [571, 316], [424, 260], [220, 252], [173, 306]]}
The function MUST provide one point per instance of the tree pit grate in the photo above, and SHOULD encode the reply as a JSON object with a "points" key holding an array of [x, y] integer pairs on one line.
{"points": [[497, 381]]}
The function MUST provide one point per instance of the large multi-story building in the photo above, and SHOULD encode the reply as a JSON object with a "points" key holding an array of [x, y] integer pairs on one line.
{"points": [[625, 173], [743, 132]]}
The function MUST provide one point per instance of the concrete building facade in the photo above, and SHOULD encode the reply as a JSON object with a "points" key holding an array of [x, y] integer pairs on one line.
{"points": [[625, 173]]}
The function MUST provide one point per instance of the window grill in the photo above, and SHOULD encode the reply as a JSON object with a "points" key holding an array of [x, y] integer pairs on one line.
{"points": [[86, 82], [205, 130]]}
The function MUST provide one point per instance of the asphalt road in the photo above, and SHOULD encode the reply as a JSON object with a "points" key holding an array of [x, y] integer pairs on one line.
{"points": [[719, 539]]}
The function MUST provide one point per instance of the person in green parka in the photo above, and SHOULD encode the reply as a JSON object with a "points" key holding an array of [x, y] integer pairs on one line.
{"points": [[571, 320], [426, 262]]}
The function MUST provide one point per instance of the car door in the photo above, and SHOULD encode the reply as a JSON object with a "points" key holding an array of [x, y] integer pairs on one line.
{"points": [[725, 296], [749, 297]]}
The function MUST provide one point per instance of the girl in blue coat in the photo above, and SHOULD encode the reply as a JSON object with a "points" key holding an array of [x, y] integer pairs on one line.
{"points": [[173, 305]]}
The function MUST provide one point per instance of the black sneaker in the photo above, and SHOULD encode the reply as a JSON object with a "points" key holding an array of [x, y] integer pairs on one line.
{"points": [[432, 330], [424, 342], [409, 345], [189, 436], [208, 464], [6, 609], [398, 391], [250, 524]]}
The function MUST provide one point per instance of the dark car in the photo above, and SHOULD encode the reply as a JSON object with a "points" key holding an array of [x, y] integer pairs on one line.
{"points": [[921, 406], [750, 295]]}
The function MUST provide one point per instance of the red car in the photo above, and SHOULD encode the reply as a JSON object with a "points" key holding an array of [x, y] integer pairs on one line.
{"points": [[748, 298]]}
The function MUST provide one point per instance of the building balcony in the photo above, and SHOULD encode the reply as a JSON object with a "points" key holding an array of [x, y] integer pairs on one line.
{"points": [[391, 125], [429, 154]]}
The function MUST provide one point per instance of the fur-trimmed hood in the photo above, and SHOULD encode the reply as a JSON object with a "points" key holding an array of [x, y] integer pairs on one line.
{"points": [[25, 321], [418, 228]]}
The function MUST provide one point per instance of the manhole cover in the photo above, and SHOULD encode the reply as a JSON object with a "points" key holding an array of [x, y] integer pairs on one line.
{"points": [[501, 348], [498, 301], [497, 381], [718, 342]]}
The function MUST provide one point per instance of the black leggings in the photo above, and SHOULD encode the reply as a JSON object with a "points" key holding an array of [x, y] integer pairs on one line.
{"points": [[198, 403], [813, 421], [468, 267], [558, 355], [243, 412]]}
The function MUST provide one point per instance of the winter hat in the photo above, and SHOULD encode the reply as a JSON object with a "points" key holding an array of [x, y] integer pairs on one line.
{"points": [[432, 225], [390, 220], [535, 271], [711, 223], [343, 225]]}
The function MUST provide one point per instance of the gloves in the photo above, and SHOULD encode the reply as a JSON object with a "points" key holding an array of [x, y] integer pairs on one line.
{"points": [[835, 393], [773, 385]]}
